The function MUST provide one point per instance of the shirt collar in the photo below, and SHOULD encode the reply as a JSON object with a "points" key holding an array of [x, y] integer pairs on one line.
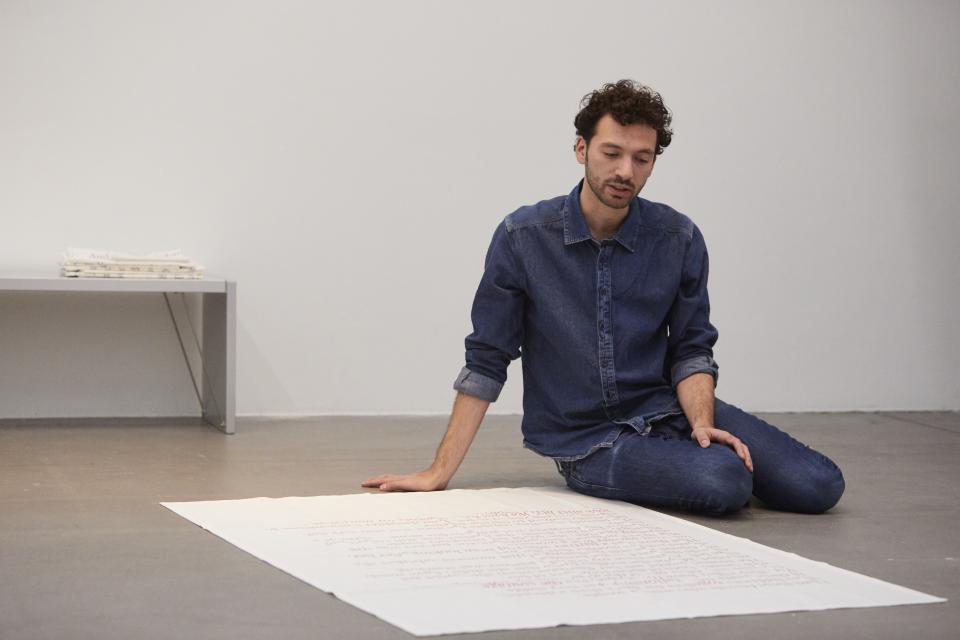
{"points": [[575, 226]]}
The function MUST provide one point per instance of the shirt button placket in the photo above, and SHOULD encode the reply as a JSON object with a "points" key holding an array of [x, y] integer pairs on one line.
{"points": [[605, 326]]}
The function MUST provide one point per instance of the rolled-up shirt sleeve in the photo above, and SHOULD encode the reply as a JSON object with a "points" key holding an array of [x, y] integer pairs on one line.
{"points": [[497, 316], [690, 345]]}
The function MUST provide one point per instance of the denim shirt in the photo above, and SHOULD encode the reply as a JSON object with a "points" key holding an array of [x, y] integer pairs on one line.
{"points": [[606, 328]]}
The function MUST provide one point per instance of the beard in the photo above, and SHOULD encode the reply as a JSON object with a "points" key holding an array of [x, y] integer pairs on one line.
{"points": [[614, 201]]}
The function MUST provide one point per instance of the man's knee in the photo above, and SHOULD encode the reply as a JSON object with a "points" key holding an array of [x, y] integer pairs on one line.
{"points": [[821, 491], [724, 488], [813, 487]]}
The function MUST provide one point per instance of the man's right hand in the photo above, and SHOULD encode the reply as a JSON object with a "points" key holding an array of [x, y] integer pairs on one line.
{"points": [[465, 419], [426, 480]]}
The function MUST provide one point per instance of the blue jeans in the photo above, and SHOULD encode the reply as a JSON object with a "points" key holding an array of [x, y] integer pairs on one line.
{"points": [[667, 469]]}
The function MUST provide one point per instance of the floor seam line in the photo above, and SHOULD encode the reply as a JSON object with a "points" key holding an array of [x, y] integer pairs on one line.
{"points": [[919, 424]]}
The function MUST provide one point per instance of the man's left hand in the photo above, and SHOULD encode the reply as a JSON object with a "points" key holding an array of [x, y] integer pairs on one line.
{"points": [[706, 435]]}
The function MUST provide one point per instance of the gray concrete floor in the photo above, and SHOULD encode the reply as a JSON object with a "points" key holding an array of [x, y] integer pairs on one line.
{"points": [[86, 551]]}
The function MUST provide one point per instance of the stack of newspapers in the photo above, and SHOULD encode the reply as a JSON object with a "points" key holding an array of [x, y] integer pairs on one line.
{"points": [[92, 263]]}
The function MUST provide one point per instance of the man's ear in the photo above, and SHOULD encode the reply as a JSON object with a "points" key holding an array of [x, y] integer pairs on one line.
{"points": [[580, 147]]}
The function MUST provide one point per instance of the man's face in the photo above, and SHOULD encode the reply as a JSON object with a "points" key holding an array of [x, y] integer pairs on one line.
{"points": [[618, 160]]}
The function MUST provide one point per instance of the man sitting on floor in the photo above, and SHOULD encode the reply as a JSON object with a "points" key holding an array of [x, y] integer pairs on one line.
{"points": [[604, 294]]}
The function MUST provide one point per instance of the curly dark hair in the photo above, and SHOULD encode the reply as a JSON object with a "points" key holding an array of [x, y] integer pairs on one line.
{"points": [[628, 102]]}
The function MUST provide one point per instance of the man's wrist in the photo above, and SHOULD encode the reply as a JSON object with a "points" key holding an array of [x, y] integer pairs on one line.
{"points": [[436, 479], [438, 475]]}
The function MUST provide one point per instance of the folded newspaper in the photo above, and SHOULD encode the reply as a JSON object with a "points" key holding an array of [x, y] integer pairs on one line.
{"points": [[93, 263]]}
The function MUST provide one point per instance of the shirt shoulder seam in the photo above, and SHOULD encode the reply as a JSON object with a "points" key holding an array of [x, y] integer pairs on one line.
{"points": [[680, 231], [513, 225]]}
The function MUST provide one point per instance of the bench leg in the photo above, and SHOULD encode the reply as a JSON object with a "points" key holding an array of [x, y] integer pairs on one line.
{"points": [[219, 354]]}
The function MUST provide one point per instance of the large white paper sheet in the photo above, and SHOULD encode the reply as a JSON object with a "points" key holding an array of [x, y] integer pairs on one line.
{"points": [[466, 561]]}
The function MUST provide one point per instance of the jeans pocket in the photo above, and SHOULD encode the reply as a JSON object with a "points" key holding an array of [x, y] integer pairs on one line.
{"points": [[594, 472], [669, 426]]}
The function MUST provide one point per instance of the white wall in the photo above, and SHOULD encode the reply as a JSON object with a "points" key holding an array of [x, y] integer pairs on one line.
{"points": [[346, 163]]}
